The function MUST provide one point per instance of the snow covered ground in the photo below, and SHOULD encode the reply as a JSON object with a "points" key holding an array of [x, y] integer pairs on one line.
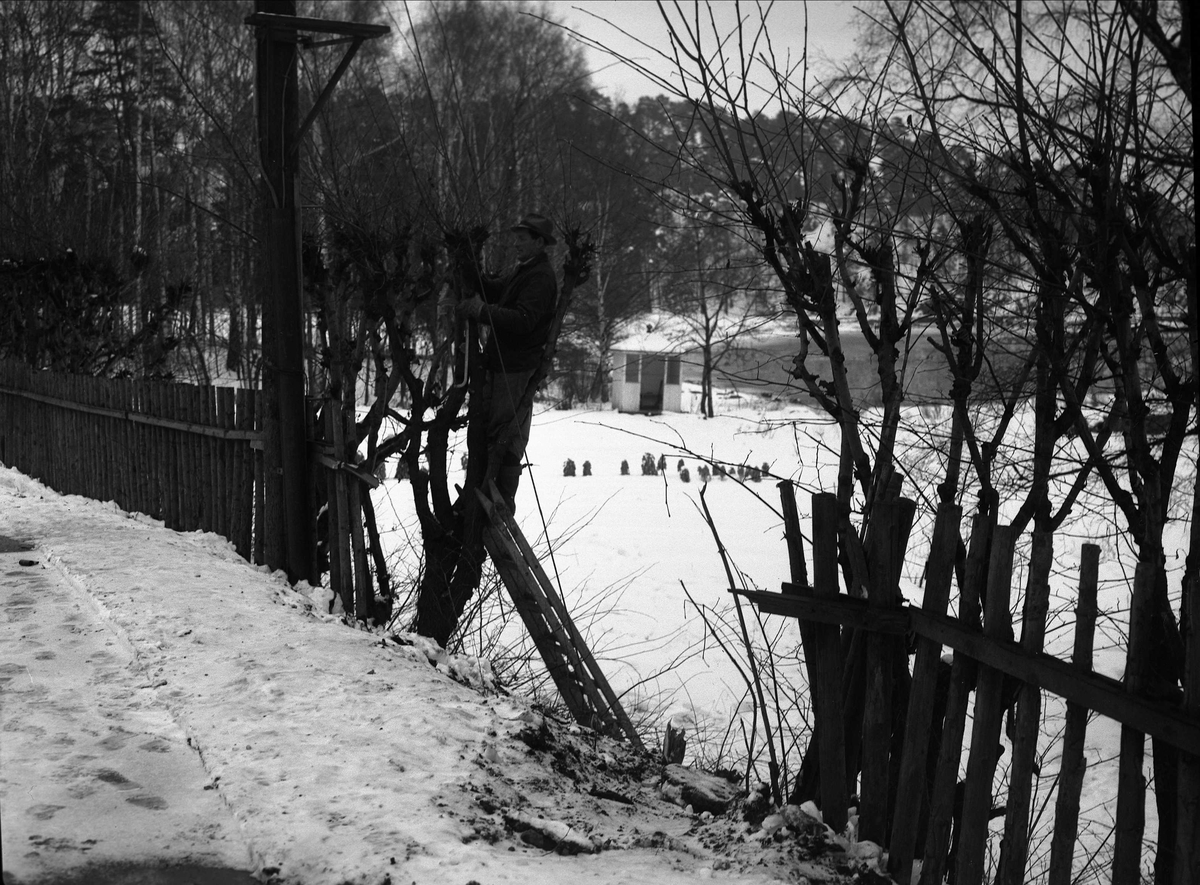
{"points": [[214, 716], [163, 704]]}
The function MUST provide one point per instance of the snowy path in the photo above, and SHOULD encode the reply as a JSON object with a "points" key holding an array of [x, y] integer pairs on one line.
{"points": [[89, 754]]}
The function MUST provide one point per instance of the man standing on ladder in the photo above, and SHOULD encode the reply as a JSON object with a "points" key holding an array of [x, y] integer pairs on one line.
{"points": [[518, 308]]}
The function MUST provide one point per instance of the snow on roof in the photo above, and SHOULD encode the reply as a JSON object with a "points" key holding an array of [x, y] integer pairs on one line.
{"points": [[655, 334], [664, 333]]}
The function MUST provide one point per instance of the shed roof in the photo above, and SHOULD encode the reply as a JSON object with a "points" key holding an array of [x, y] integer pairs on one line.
{"points": [[654, 333]]}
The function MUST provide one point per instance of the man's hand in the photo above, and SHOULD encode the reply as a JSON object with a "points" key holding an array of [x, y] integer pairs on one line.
{"points": [[470, 308]]}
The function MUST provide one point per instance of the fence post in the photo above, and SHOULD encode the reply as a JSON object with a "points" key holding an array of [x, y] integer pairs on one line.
{"points": [[1074, 764], [1187, 843], [241, 490], [1014, 849], [339, 531], [827, 694], [942, 797], [364, 595], [891, 520], [989, 710], [914, 762], [1131, 785], [798, 570]]}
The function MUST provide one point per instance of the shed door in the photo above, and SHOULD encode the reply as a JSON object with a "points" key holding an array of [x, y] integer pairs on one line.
{"points": [[654, 370]]}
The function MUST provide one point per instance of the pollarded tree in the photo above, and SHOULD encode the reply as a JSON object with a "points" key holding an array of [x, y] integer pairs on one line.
{"points": [[413, 173], [1084, 114]]}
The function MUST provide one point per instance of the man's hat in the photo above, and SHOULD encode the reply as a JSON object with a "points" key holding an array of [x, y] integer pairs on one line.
{"points": [[538, 225]]}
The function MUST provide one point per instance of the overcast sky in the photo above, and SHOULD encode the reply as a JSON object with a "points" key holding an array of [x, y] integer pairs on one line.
{"points": [[830, 34]]}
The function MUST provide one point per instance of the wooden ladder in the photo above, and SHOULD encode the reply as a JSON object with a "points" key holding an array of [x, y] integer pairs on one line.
{"points": [[575, 672]]}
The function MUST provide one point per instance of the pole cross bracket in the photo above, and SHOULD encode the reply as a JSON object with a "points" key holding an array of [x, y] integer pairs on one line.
{"points": [[290, 25]]}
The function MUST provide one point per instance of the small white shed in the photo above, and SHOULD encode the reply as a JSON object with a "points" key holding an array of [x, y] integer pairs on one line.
{"points": [[645, 372]]}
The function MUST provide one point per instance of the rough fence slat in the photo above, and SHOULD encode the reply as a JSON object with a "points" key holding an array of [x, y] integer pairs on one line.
{"points": [[1014, 850], [827, 694], [1074, 763], [914, 764], [1131, 783], [989, 712]]}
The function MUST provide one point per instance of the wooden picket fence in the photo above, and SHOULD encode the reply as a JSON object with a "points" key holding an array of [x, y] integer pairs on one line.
{"points": [[188, 455], [897, 741]]}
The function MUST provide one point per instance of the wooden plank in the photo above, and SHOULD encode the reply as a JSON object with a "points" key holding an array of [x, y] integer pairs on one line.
{"points": [[914, 762], [159, 485], [1074, 763], [364, 595], [886, 556], [1014, 849], [944, 790], [836, 609], [341, 578], [226, 419], [1100, 693], [140, 397], [801, 790], [187, 459], [989, 711], [205, 406], [1187, 842], [242, 479], [827, 691], [174, 445], [798, 570], [260, 491], [126, 453], [1131, 784]]}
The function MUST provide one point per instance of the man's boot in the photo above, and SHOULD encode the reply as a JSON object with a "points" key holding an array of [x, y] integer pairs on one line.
{"points": [[507, 479]]}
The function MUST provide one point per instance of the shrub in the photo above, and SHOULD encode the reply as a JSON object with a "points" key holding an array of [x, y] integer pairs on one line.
{"points": [[679, 466], [587, 468], [702, 472], [624, 468], [648, 465], [662, 462], [684, 476], [568, 467]]}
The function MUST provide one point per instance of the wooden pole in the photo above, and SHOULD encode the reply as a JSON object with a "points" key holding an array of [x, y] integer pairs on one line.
{"points": [[962, 679], [364, 595], [989, 711], [1187, 844], [1074, 764], [1014, 852], [798, 570], [341, 576], [1131, 784], [877, 709], [827, 692], [919, 722], [285, 448]]}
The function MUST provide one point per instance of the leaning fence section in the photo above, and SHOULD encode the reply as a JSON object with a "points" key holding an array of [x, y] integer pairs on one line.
{"points": [[188, 455], [897, 725]]}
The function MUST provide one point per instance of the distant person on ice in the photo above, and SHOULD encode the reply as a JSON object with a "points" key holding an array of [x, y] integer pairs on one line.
{"points": [[518, 308]]}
